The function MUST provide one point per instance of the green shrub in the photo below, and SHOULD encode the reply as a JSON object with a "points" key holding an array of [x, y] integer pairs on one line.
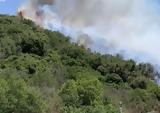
{"points": [[17, 97], [139, 82], [69, 93], [113, 78], [90, 91], [82, 92]]}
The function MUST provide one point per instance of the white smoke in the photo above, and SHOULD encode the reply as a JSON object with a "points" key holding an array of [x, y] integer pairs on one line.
{"points": [[130, 27]]}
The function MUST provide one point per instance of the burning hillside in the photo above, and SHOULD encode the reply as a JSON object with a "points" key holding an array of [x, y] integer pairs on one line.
{"points": [[128, 27]]}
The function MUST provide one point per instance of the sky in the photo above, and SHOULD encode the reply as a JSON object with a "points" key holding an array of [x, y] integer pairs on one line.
{"points": [[9, 6]]}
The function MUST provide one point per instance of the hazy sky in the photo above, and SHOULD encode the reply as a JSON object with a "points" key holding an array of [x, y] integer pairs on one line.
{"points": [[9, 6]]}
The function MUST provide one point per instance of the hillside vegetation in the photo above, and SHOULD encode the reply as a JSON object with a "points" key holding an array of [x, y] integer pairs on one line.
{"points": [[42, 72]]}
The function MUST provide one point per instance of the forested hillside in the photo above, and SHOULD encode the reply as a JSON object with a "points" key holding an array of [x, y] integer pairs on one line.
{"points": [[42, 72]]}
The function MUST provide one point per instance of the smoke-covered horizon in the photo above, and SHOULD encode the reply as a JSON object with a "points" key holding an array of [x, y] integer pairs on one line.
{"points": [[127, 27]]}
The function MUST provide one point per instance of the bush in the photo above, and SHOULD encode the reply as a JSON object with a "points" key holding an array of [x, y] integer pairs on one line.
{"points": [[69, 93], [17, 97], [154, 89], [7, 47], [139, 82], [142, 101], [82, 92], [33, 47], [89, 91], [113, 78]]}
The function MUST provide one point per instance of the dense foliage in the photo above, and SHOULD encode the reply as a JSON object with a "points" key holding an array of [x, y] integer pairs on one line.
{"points": [[42, 72]]}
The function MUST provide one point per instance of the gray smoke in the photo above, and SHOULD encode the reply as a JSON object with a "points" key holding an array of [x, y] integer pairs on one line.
{"points": [[130, 27]]}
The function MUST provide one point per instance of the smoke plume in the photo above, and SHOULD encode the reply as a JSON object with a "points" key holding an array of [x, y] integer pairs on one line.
{"points": [[130, 27]]}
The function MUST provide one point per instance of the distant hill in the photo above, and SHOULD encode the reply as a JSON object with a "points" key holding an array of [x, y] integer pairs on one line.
{"points": [[41, 71]]}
